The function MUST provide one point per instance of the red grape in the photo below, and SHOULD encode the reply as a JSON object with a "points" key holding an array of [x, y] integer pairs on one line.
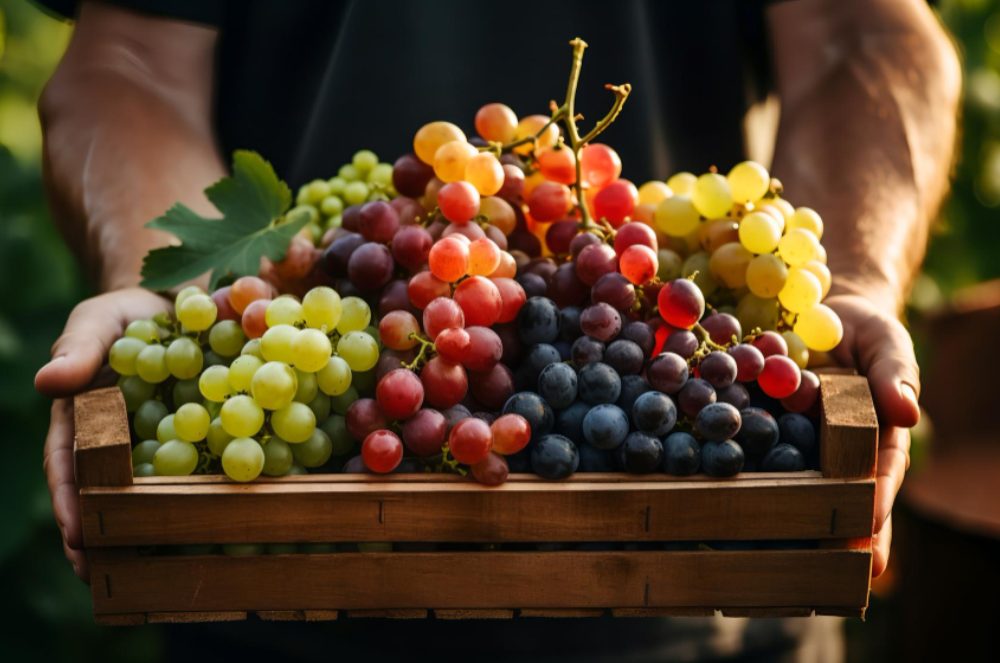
{"points": [[512, 298], [549, 201], [513, 183], [379, 221], [411, 246], [363, 417], [449, 259], [485, 349], [382, 451], [594, 262], [511, 433], [582, 241], [491, 471], [469, 231], [484, 256], [722, 328], [253, 322], [424, 432], [424, 287], [247, 289], [338, 254], [445, 384], [395, 329], [496, 122], [440, 314], [560, 235], [616, 201], [631, 234], [395, 297], [681, 303], [458, 201], [771, 343], [558, 164], [470, 441], [805, 396], [600, 321], [452, 344], [780, 377], [399, 394], [639, 264], [480, 301], [370, 266], [749, 361], [566, 288], [492, 388], [410, 175], [599, 164], [224, 306]]}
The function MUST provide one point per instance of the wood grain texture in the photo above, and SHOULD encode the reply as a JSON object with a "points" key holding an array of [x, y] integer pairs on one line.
{"points": [[848, 428], [102, 450], [581, 510], [560, 613], [193, 616], [473, 614], [471, 580]]}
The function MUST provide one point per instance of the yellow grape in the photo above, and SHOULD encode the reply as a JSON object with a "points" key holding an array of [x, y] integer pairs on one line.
{"points": [[753, 311], [285, 310], [451, 158], [784, 206], [821, 272], [294, 423], [749, 181], [802, 290], [197, 312], [699, 262], [252, 347], [243, 459], [355, 315], [499, 213], [433, 135], [217, 437], [214, 384], [241, 372], [321, 308], [185, 293], [308, 387], [191, 422], [530, 126], [807, 219], [359, 350], [766, 275], [123, 353], [711, 196], [334, 378], [729, 264], [797, 350], [676, 216], [682, 183], [151, 364], [311, 350], [226, 338], [273, 385], [798, 246], [820, 328], [276, 343], [484, 172], [496, 122], [773, 212], [821, 253], [653, 193], [759, 233]]}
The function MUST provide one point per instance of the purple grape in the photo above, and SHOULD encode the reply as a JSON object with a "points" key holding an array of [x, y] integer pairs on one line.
{"points": [[379, 221], [718, 369], [722, 327], [695, 395], [601, 321], [614, 289], [667, 373], [681, 342]]}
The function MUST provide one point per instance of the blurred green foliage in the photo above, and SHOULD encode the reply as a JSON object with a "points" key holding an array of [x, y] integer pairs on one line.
{"points": [[45, 614]]}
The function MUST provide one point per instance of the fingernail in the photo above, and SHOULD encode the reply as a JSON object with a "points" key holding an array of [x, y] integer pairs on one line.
{"points": [[908, 393]]}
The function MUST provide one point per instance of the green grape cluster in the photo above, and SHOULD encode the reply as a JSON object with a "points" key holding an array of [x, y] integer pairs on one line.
{"points": [[365, 178], [244, 383]]}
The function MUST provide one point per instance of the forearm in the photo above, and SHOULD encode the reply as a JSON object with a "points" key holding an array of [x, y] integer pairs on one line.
{"points": [[124, 140], [868, 140]]}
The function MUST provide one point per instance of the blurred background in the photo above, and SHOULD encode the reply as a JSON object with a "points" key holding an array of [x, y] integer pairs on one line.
{"points": [[945, 566]]}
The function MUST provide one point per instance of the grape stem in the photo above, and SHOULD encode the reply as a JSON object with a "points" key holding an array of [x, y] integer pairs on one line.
{"points": [[425, 347], [706, 338]]}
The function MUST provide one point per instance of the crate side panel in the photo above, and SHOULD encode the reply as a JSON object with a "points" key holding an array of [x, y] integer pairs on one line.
{"points": [[849, 427]]}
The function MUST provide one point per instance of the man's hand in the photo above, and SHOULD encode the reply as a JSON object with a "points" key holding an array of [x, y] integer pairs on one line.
{"points": [[77, 356], [879, 347]]}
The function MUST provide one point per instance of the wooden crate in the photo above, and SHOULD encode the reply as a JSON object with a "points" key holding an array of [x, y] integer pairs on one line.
{"points": [[123, 517]]}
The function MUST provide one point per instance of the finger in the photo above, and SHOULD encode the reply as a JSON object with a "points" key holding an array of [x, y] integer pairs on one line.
{"points": [[58, 466], [78, 560], [893, 459], [92, 327], [885, 356], [881, 543]]}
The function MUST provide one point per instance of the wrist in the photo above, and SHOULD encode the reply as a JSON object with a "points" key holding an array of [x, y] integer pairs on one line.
{"points": [[880, 291]]}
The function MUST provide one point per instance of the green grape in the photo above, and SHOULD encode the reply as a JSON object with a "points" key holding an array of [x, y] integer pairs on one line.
{"points": [[144, 330], [242, 549], [797, 350], [243, 459], [294, 423], [711, 196], [191, 422], [753, 311], [252, 348], [184, 358], [165, 429], [214, 383], [306, 209], [226, 338], [335, 221], [285, 310], [241, 416], [314, 451], [316, 191], [144, 452], [217, 437], [363, 161], [355, 315], [320, 405], [682, 183], [241, 372], [148, 417], [321, 308], [802, 290], [197, 312], [340, 402], [151, 364], [364, 382], [135, 391], [276, 343], [356, 193], [175, 459], [676, 216], [307, 388], [798, 246], [185, 293], [381, 176], [337, 185], [274, 385], [336, 429], [699, 262], [123, 353], [348, 173], [185, 391], [820, 328], [748, 181], [334, 378], [311, 350], [332, 206], [807, 219], [759, 233], [372, 331], [212, 407], [296, 469], [144, 470], [670, 263], [766, 275], [209, 358], [359, 350], [277, 458]]}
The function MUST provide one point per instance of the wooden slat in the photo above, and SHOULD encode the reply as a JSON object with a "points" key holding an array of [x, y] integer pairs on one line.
{"points": [[193, 616], [488, 580], [102, 450], [560, 613], [474, 614], [578, 511], [320, 615], [767, 612], [382, 613], [849, 427], [129, 619], [685, 611], [281, 615]]}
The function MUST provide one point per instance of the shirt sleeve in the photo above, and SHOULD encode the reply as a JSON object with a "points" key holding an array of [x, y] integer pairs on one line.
{"points": [[208, 12]]}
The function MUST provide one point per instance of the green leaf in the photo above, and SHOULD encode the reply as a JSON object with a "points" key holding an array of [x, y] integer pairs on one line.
{"points": [[252, 202]]}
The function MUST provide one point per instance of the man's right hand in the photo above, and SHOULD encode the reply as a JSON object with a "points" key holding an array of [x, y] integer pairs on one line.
{"points": [[77, 356]]}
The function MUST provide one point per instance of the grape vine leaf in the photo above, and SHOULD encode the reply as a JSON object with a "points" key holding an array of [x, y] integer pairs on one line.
{"points": [[253, 202]]}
